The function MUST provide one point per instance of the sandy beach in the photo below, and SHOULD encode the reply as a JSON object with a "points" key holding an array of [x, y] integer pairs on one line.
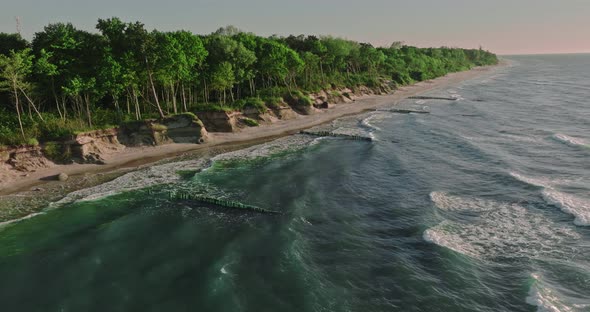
{"points": [[132, 158]]}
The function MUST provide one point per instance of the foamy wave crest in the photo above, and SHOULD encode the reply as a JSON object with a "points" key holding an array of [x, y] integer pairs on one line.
{"points": [[568, 203], [448, 202], [505, 231], [576, 142], [289, 143], [540, 182], [5, 223], [168, 173], [520, 138], [154, 175], [578, 207], [366, 122], [547, 299]]}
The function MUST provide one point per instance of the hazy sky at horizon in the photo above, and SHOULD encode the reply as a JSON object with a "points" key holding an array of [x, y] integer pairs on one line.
{"points": [[502, 26]]}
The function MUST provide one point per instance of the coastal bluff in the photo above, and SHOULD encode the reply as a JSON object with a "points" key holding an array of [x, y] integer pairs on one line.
{"points": [[99, 146]]}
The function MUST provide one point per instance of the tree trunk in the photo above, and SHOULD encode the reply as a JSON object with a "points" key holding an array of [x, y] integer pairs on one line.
{"points": [[154, 89], [173, 91], [88, 113], [20, 122], [184, 98], [31, 104], [136, 104]]}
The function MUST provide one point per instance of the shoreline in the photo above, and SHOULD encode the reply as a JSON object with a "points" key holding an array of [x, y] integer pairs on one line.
{"points": [[135, 157]]}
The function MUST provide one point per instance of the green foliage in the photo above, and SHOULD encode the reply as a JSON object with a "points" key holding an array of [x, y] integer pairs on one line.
{"points": [[211, 107], [73, 80], [298, 98], [273, 101], [55, 128], [159, 127], [57, 152], [32, 141], [250, 122], [252, 102], [190, 115]]}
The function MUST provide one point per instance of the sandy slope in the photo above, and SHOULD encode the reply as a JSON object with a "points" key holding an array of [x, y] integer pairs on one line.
{"points": [[133, 157]]}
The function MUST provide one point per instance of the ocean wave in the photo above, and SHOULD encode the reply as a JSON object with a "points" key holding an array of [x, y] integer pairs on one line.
{"points": [[578, 207], [451, 203], [520, 138], [568, 203], [540, 182], [504, 231], [5, 223], [366, 122], [548, 299], [572, 141], [154, 175], [288, 143], [168, 173], [358, 132]]}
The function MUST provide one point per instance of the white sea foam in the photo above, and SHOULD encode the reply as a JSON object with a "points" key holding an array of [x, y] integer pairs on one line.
{"points": [[568, 203], [457, 96], [366, 122], [420, 102], [549, 299], [448, 202], [572, 141], [289, 143], [150, 176], [503, 230], [540, 182], [578, 207], [5, 223], [168, 173], [520, 138]]}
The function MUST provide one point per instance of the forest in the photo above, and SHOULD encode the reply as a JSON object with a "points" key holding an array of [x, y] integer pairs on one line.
{"points": [[68, 80]]}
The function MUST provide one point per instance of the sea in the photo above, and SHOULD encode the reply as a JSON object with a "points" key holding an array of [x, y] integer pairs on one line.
{"points": [[481, 204]]}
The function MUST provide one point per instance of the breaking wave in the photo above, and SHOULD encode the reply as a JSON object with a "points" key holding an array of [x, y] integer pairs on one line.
{"points": [[568, 203], [451, 203], [578, 207], [502, 231], [572, 141], [154, 175], [168, 173], [549, 299]]}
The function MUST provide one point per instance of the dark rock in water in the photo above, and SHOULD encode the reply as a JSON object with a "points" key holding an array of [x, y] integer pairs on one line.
{"points": [[62, 177], [408, 111], [433, 98], [38, 189], [338, 135]]}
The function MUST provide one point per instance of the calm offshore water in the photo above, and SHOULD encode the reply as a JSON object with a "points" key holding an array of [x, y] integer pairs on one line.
{"points": [[482, 205]]}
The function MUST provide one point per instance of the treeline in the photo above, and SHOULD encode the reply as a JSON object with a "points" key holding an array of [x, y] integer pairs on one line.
{"points": [[69, 80]]}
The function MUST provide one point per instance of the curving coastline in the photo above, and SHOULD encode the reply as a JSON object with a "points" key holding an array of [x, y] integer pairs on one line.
{"points": [[132, 158]]}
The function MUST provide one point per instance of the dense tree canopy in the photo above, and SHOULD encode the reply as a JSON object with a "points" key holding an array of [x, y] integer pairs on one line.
{"points": [[68, 79]]}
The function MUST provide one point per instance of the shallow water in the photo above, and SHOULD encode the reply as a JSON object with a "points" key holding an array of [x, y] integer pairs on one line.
{"points": [[482, 205]]}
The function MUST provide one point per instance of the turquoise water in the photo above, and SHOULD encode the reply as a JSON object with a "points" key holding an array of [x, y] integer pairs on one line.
{"points": [[482, 205]]}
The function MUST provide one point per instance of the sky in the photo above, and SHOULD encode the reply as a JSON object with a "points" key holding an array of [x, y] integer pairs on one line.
{"points": [[501, 26]]}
